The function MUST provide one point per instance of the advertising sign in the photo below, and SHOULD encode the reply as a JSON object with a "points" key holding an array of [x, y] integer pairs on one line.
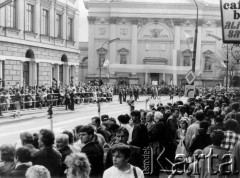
{"points": [[230, 20]]}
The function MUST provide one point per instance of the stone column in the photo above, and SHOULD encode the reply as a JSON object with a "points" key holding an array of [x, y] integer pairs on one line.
{"points": [[2, 16], [20, 16], [164, 77], [52, 19], [134, 42], [176, 47], [66, 74], [33, 73], [76, 29], [92, 56], [37, 14], [56, 66], [64, 21]]}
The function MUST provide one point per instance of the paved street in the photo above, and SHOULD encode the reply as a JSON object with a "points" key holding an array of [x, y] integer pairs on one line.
{"points": [[11, 128]]}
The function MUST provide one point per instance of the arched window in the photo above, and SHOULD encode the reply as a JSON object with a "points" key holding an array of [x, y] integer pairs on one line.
{"points": [[26, 68]]}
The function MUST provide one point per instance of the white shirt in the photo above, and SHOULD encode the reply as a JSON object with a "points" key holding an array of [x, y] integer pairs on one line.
{"points": [[114, 172]]}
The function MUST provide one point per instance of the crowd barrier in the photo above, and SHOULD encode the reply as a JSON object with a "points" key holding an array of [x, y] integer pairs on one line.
{"points": [[31, 101]]}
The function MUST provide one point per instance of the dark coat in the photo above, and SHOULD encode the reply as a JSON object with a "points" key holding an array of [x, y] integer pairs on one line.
{"points": [[140, 136], [94, 153], [65, 152], [200, 142], [49, 158], [20, 171], [136, 158], [157, 133]]}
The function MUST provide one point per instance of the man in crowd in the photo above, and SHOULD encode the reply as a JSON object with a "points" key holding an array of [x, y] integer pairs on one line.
{"points": [[48, 156], [93, 150]]}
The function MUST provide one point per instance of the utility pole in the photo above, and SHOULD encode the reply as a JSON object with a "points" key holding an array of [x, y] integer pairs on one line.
{"points": [[195, 41]]}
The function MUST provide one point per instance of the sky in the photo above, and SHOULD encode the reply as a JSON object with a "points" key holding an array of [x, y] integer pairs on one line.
{"points": [[83, 31]]}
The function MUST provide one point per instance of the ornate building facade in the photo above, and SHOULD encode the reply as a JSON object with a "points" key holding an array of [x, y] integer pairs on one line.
{"points": [[39, 41], [153, 45]]}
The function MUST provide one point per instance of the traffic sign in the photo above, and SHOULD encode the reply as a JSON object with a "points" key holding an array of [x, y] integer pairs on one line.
{"points": [[190, 77]]}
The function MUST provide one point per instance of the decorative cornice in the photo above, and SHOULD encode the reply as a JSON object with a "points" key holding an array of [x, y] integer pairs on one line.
{"points": [[170, 22], [91, 19]]}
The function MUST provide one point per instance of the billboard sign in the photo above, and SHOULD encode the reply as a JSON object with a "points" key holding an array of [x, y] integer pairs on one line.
{"points": [[230, 20], [190, 77]]}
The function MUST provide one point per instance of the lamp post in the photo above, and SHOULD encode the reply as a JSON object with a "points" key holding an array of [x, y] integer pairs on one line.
{"points": [[195, 40], [100, 66]]}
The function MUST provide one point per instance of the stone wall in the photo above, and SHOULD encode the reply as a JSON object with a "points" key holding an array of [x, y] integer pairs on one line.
{"points": [[45, 74], [19, 50], [12, 72]]}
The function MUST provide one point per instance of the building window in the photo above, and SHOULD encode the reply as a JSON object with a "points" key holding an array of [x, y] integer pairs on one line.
{"points": [[29, 18], [70, 29], [208, 63], [59, 26], [45, 22], [11, 15], [123, 58], [186, 60], [123, 54], [186, 56]]}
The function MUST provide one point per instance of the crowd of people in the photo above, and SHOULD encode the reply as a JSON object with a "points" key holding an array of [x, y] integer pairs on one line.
{"points": [[165, 139]]}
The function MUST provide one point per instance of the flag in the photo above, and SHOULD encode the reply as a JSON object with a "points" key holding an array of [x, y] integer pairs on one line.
{"points": [[223, 64], [189, 40], [106, 63]]}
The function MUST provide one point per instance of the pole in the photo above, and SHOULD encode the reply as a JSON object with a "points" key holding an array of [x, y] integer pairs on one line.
{"points": [[227, 70], [195, 41]]}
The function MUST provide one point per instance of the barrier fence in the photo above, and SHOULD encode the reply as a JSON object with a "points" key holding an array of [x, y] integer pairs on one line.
{"points": [[31, 101]]}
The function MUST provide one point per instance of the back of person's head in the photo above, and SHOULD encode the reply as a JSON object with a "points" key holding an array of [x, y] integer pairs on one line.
{"points": [[26, 138], [122, 130], [97, 121], [232, 125], [136, 114], [47, 137], [123, 119], [104, 117], [113, 120], [235, 106], [23, 155], [219, 119], [199, 115], [217, 137], [37, 171], [121, 149], [7, 152], [77, 128], [63, 138], [204, 125], [113, 127], [79, 165], [158, 116], [70, 136], [88, 129]]}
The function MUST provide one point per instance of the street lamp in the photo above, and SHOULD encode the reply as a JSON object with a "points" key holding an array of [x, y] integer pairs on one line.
{"points": [[195, 40], [100, 66]]}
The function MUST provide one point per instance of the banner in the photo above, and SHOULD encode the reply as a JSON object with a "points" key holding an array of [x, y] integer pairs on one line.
{"points": [[230, 20]]}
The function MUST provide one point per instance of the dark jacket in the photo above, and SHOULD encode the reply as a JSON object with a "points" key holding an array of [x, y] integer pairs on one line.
{"points": [[20, 171], [136, 158], [64, 152], [49, 158], [140, 136], [94, 153], [157, 132]]}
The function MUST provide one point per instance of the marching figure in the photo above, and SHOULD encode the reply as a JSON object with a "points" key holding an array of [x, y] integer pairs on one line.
{"points": [[120, 96]]}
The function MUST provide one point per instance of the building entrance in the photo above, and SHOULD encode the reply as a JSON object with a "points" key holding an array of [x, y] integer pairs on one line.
{"points": [[154, 78]]}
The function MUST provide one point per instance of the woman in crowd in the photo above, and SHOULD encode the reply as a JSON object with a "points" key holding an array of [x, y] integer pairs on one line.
{"points": [[38, 171], [7, 163], [78, 166]]}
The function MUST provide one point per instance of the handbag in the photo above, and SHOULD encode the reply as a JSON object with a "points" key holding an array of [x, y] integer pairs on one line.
{"points": [[181, 148]]}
